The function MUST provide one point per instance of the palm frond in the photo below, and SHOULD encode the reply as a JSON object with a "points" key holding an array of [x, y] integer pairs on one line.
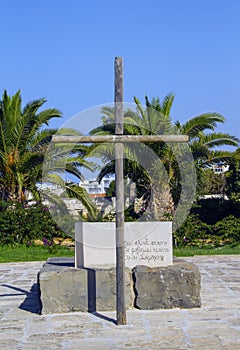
{"points": [[74, 191], [140, 110], [167, 104], [108, 113], [55, 179], [41, 139], [108, 169], [73, 169], [44, 116], [219, 139], [200, 123], [33, 106], [218, 157]]}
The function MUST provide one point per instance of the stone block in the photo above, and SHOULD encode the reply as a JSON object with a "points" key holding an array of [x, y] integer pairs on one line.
{"points": [[64, 288], [176, 286], [106, 288]]}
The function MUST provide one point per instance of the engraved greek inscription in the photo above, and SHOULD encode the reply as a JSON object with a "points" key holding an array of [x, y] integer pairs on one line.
{"points": [[158, 243], [150, 258], [141, 250], [160, 250], [142, 242]]}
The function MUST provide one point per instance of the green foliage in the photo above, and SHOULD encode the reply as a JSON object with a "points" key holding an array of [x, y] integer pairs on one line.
{"points": [[195, 232], [19, 253], [155, 119], [33, 252], [61, 160], [212, 222], [22, 144], [228, 229], [21, 224], [213, 210], [233, 179], [191, 230], [111, 191], [206, 250], [210, 182]]}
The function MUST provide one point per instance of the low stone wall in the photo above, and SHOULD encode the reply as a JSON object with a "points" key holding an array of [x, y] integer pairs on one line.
{"points": [[64, 288]]}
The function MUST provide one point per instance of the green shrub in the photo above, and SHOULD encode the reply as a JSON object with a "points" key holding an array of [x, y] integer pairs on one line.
{"points": [[192, 230], [198, 233], [23, 224], [228, 229], [212, 210]]}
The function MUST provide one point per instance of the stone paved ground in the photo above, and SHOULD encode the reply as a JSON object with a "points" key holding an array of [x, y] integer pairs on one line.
{"points": [[215, 326]]}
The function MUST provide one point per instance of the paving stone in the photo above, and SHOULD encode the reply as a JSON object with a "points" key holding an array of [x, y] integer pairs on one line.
{"points": [[10, 344], [90, 344], [214, 326], [49, 345], [57, 336]]}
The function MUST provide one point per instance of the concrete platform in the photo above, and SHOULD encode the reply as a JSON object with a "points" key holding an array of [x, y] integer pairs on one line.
{"points": [[216, 325]]}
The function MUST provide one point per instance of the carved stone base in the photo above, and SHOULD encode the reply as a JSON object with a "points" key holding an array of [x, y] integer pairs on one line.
{"points": [[64, 288]]}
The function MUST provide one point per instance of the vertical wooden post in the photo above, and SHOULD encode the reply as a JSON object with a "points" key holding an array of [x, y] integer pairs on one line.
{"points": [[120, 249]]}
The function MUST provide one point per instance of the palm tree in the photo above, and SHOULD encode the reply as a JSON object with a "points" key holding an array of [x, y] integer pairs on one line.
{"points": [[22, 144], [24, 150], [155, 118], [203, 145]]}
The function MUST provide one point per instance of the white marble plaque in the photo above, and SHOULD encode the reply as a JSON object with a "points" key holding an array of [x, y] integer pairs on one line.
{"points": [[146, 243]]}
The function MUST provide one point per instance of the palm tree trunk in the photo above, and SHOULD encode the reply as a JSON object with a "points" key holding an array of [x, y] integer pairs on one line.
{"points": [[161, 202]]}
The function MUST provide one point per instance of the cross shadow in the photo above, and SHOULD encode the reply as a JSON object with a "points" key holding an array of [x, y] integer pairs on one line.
{"points": [[103, 317], [22, 291], [91, 281], [31, 303]]}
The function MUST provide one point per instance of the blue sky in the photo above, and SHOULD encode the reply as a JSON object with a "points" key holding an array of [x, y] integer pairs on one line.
{"points": [[64, 51]]}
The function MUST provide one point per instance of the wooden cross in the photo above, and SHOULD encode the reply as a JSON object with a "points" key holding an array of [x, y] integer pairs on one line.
{"points": [[119, 139]]}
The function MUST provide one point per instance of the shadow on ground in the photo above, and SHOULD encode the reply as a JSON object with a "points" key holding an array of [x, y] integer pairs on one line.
{"points": [[32, 301]]}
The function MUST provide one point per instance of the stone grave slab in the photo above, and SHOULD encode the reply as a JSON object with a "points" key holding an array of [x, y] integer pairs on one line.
{"points": [[146, 243]]}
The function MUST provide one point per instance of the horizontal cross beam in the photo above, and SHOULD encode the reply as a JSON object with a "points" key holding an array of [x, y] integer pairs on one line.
{"points": [[120, 138]]}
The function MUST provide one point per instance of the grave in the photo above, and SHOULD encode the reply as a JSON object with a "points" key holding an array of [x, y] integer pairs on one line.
{"points": [[153, 279], [134, 268]]}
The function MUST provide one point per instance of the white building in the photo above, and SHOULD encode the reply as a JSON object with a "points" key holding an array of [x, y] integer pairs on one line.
{"points": [[93, 187], [220, 168]]}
